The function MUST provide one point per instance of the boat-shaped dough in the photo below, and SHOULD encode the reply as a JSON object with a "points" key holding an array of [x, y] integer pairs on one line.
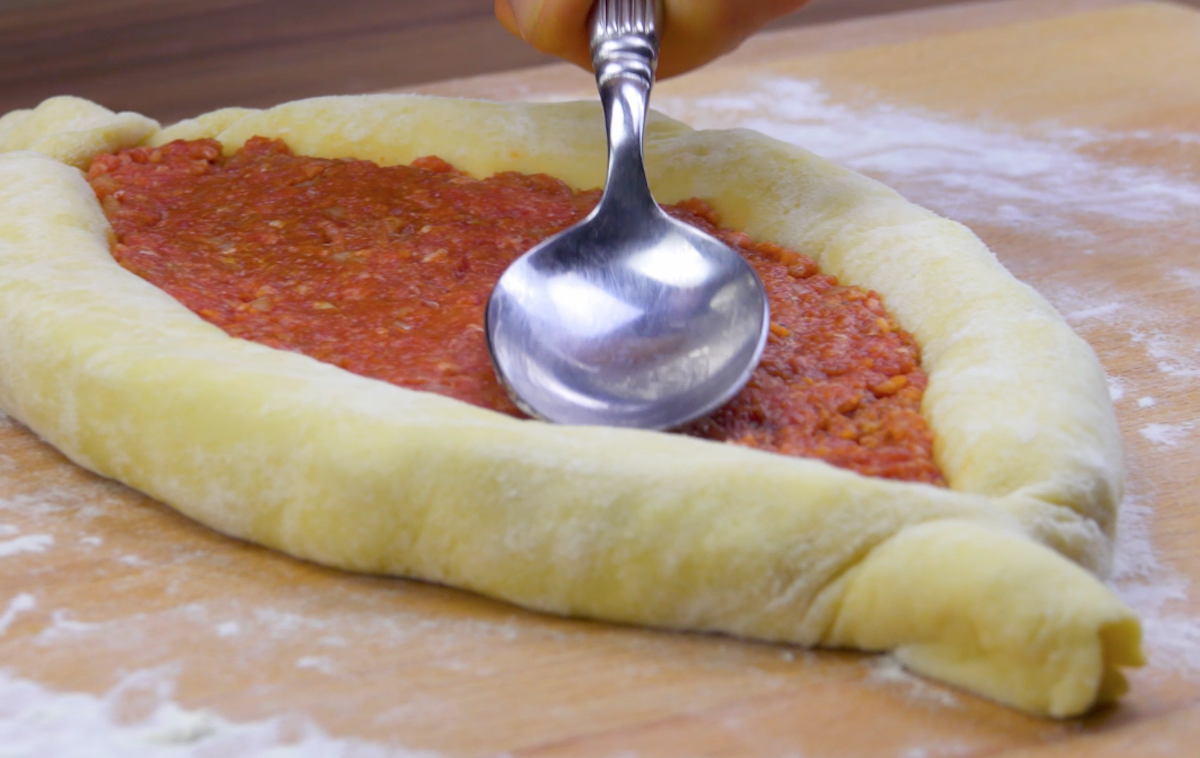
{"points": [[990, 585]]}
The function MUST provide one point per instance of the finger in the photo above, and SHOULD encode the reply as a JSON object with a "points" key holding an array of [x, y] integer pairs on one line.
{"points": [[504, 13], [557, 27], [698, 31], [694, 31]]}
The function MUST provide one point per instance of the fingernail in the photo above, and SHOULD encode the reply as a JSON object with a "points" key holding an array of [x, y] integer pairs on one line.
{"points": [[526, 13]]}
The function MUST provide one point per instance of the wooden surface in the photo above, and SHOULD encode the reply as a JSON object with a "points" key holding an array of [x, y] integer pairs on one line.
{"points": [[171, 60], [1065, 132]]}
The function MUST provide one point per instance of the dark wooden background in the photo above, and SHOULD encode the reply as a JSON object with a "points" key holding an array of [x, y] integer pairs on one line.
{"points": [[171, 59]]}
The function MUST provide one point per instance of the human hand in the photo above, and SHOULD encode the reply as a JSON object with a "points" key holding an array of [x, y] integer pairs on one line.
{"points": [[694, 31]]}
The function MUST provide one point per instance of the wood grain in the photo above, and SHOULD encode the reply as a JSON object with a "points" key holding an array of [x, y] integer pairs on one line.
{"points": [[172, 60], [125, 597]]}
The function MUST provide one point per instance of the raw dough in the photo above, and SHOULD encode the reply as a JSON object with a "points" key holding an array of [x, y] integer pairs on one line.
{"points": [[985, 585]]}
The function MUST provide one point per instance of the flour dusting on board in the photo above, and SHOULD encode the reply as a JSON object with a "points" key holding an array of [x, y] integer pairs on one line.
{"points": [[887, 670], [36, 721], [974, 173], [1148, 583], [1166, 434], [21, 603], [1172, 638], [29, 543]]}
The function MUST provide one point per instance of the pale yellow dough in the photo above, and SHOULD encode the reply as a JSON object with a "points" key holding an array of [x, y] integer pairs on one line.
{"points": [[985, 585]]}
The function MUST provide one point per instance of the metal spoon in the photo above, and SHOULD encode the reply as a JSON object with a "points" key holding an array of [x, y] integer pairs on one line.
{"points": [[628, 318]]}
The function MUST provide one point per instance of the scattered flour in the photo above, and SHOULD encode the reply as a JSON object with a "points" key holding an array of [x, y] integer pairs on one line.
{"points": [[1159, 331], [83, 502], [885, 669], [1156, 591], [318, 663], [1095, 311], [1169, 435], [1116, 388], [1175, 354], [18, 605], [30, 543], [63, 628], [1188, 277], [971, 172], [36, 721], [941, 751]]}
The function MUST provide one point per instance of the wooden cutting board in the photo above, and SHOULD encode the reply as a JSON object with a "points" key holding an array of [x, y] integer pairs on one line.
{"points": [[1067, 134]]}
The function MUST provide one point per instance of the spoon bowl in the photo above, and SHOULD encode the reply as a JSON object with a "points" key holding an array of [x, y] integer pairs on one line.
{"points": [[630, 317], [648, 324]]}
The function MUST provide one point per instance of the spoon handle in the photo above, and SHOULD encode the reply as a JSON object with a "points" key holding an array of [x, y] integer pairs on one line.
{"points": [[625, 42]]}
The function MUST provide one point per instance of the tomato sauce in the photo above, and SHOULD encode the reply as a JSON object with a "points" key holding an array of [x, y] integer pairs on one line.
{"points": [[386, 271]]}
